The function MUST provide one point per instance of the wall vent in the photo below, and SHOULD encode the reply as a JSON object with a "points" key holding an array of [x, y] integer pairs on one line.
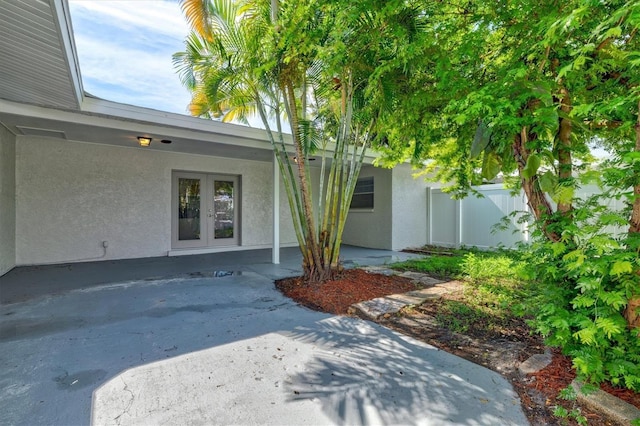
{"points": [[33, 131]]}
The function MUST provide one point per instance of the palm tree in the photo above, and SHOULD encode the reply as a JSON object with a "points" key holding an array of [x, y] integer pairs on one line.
{"points": [[309, 64]]}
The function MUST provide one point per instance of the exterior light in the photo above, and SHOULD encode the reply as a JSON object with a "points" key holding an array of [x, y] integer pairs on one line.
{"points": [[295, 159], [144, 141]]}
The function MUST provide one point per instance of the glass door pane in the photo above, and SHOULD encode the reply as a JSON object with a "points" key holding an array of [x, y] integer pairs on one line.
{"points": [[188, 209], [223, 208]]}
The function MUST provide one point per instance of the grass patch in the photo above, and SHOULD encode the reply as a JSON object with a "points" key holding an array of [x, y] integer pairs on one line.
{"points": [[438, 266], [458, 316], [495, 287]]}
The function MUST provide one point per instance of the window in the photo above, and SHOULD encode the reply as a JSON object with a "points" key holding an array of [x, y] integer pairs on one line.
{"points": [[363, 194]]}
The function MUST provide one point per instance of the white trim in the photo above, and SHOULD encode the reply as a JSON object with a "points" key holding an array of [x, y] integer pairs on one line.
{"points": [[169, 119], [187, 252], [60, 11]]}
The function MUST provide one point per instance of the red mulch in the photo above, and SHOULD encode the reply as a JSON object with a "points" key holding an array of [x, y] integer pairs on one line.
{"points": [[356, 285], [351, 286], [560, 373]]}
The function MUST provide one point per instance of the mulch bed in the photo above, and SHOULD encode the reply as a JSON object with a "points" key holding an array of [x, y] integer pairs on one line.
{"points": [[352, 286], [538, 392]]}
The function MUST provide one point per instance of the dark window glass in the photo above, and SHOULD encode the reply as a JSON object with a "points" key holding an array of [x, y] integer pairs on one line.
{"points": [[363, 194]]}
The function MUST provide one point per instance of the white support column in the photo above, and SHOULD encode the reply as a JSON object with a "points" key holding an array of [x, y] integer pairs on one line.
{"points": [[275, 250]]}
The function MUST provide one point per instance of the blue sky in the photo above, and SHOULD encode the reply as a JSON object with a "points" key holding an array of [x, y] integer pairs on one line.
{"points": [[125, 47]]}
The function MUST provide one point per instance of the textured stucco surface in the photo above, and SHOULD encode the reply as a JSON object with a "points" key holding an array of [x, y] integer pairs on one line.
{"points": [[409, 203], [71, 196], [372, 228], [7, 200]]}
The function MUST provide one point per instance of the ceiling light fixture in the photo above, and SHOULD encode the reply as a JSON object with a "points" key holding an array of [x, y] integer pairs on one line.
{"points": [[144, 141], [295, 159]]}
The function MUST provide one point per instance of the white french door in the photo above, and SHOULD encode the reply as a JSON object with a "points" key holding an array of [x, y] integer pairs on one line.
{"points": [[205, 210]]}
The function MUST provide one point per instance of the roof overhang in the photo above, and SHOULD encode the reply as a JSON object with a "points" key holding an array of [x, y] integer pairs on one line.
{"points": [[125, 123], [41, 94], [39, 64]]}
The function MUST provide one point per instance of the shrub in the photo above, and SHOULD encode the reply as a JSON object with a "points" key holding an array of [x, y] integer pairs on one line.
{"points": [[583, 284]]}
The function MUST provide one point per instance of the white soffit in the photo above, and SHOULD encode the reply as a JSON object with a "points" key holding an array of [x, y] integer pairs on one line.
{"points": [[38, 63]]}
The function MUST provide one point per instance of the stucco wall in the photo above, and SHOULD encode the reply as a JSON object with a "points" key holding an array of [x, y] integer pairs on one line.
{"points": [[7, 200], [71, 196], [372, 228], [409, 216]]}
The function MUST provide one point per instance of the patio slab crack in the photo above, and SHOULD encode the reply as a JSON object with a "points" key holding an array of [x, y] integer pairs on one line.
{"points": [[117, 419]]}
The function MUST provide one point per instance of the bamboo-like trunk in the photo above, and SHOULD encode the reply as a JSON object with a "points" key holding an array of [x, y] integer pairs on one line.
{"points": [[314, 269]]}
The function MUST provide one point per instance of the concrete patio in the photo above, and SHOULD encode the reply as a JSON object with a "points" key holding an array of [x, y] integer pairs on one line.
{"points": [[208, 340]]}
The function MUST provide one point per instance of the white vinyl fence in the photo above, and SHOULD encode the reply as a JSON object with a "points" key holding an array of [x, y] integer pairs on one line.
{"points": [[469, 222]]}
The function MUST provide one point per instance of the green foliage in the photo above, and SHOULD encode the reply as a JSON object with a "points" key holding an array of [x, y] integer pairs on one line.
{"points": [[559, 78], [583, 285], [459, 316], [531, 167], [437, 266], [494, 290], [472, 265], [569, 394], [496, 267], [496, 283]]}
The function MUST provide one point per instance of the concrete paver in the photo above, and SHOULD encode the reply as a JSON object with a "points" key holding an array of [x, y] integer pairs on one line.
{"points": [[535, 362], [221, 350], [387, 305]]}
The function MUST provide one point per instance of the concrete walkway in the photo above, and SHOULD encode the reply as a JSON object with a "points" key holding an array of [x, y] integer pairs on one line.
{"points": [[199, 346]]}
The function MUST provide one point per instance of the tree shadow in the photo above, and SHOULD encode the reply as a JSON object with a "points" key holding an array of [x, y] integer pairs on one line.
{"points": [[205, 345], [366, 374]]}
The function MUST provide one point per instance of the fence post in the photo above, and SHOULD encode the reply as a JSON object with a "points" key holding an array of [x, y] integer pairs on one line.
{"points": [[459, 214], [429, 215]]}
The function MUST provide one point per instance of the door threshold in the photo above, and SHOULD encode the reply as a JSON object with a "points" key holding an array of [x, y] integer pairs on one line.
{"points": [[206, 250]]}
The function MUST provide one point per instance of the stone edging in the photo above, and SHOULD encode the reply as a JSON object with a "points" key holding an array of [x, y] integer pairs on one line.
{"points": [[618, 410]]}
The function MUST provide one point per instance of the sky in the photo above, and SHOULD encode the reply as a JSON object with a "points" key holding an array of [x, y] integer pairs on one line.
{"points": [[124, 48]]}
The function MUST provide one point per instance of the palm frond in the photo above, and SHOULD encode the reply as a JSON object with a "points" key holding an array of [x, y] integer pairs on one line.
{"points": [[197, 14], [310, 136]]}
